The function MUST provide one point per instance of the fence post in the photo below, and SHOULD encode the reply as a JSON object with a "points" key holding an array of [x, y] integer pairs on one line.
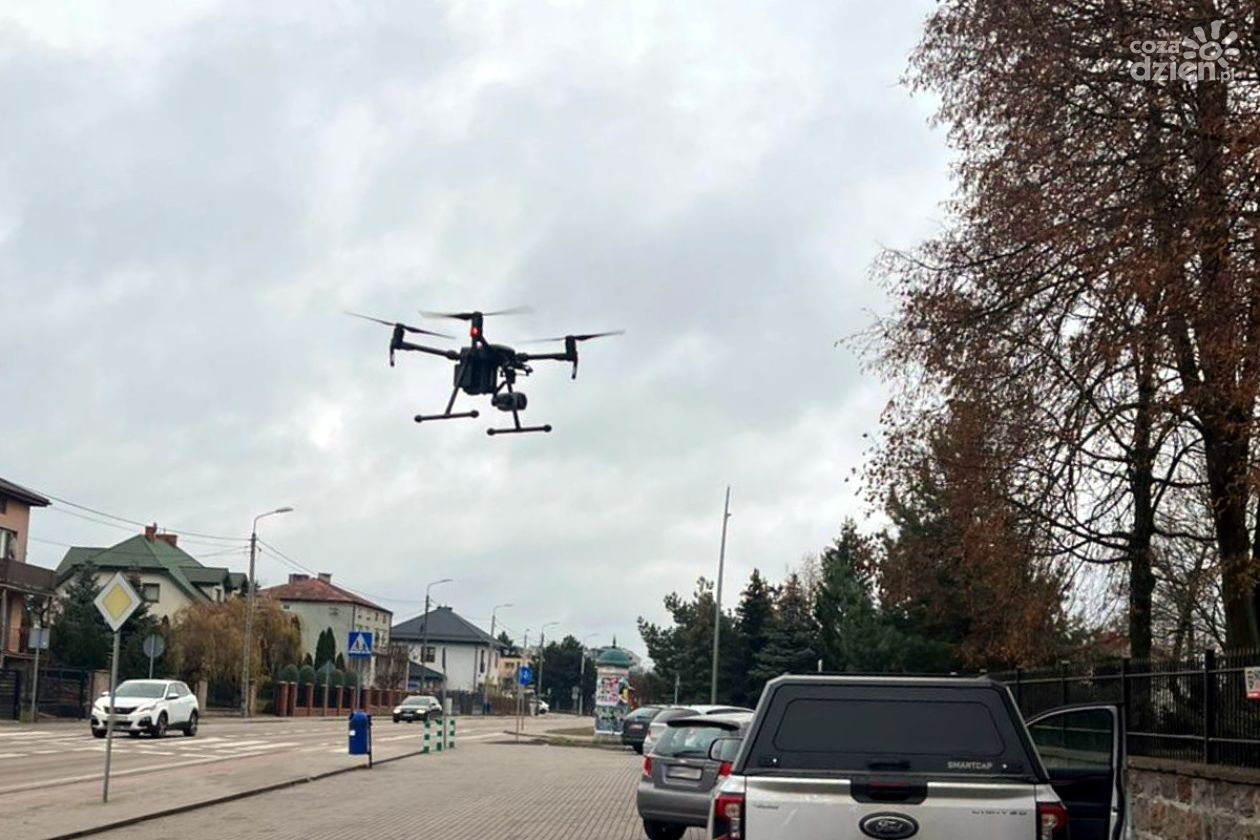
{"points": [[1209, 705], [1063, 681], [1125, 691]]}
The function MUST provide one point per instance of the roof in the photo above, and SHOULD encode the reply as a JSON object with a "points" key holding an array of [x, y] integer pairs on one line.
{"points": [[444, 625], [314, 590], [15, 491], [139, 553], [614, 658]]}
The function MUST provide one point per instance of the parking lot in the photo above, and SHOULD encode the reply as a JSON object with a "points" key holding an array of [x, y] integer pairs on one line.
{"points": [[489, 789]]}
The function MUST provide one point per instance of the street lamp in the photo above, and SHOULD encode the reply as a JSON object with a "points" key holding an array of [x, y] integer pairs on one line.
{"points": [[542, 655], [424, 638], [582, 672], [485, 681], [249, 607]]}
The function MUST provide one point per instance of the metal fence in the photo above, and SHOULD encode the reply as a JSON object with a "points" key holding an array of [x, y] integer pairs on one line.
{"points": [[1192, 710]]}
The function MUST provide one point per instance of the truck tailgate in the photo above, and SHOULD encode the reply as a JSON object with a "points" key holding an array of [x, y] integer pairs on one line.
{"points": [[805, 808]]}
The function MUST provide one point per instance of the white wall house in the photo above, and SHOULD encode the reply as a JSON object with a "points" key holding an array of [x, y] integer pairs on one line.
{"points": [[459, 653]]}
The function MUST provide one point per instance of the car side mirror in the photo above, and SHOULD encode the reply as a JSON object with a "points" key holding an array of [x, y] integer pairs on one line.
{"points": [[172, 696], [724, 749]]}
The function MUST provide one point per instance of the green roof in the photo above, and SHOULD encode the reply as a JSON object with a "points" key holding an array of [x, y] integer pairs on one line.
{"points": [[141, 554], [614, 658]]}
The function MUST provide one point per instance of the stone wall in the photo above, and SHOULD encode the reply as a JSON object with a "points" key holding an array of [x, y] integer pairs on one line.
{"points": [[1172, 800]]}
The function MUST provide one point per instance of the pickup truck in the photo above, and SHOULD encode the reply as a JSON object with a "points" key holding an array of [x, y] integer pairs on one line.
{"points": [[850, 758]]}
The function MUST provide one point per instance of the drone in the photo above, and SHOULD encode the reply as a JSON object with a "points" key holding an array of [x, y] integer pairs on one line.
{"points": [[482, 368]]}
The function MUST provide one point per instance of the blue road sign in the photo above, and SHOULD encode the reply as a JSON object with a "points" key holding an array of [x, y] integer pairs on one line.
{"points": [[526, 675], [360, 645]]}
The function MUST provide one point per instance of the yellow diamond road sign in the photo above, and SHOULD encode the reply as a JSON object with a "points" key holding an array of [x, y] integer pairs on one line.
{"points": [[117, 601]]}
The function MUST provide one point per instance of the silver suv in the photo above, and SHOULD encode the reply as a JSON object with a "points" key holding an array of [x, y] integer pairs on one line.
{"points": [[851, 758]]}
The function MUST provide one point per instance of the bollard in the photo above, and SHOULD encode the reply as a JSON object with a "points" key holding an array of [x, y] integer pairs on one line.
{"points": [[450, 744], [425, 748]]}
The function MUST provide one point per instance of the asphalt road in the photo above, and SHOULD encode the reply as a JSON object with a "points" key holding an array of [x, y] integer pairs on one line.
{"points": [[61, 754]]}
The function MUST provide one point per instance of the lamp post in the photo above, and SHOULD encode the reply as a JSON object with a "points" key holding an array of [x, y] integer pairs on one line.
{"points": [[424, 638], [542, 655], [485, 680], [249, 607], [717, 602], [582, 672]]}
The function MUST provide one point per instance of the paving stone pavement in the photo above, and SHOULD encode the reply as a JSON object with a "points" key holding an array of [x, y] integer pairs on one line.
{"points": [[499, 790]]}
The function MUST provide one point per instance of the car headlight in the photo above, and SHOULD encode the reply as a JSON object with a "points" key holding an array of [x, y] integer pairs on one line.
{"points": [[398, 710], [147, 708]]}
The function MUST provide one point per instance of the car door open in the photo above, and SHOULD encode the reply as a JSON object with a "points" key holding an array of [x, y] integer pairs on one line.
{"points": [[1083, 750]]}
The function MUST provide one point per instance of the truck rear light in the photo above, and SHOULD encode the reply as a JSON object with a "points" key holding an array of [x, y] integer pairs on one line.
{"points": [[1052, 821], [724, 769], [728, 817], [647, 767]]}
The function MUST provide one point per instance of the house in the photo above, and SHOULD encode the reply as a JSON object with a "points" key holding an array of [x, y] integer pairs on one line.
{"points": [[319, 605], [18, 579], [460, 654], [170, 578]]}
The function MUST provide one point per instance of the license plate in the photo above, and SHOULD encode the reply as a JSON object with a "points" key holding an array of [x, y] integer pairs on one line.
{"points": [[691, 774]]}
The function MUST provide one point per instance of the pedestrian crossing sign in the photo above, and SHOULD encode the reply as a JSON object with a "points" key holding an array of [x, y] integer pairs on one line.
{"points": [[360, 646]]}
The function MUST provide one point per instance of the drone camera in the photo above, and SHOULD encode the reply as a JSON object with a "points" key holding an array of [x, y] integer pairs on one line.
{"points": [[514, 401]]}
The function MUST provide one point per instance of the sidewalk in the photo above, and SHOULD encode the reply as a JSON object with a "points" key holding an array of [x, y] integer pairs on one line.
{"points": [[75, 808]]}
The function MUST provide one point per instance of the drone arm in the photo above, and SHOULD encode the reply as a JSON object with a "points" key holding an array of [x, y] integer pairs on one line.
{"points": [[571, 356], [453, 355]]}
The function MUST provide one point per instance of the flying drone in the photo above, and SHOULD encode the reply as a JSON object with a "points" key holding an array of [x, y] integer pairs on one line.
{"points": [[482, 368]]}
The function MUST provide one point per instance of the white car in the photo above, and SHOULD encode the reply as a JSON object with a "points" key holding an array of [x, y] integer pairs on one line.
{"points": [[152, 706]]}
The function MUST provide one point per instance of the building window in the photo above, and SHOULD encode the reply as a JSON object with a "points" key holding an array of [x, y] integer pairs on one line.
{"points": [[4, 504], [333, 611], [151, 592], [430, 654], [8, 544]]}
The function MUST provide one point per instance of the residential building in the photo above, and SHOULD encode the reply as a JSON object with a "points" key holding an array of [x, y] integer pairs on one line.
{"points": [[459, 654], [169, 577], [319, 604], [18, 580]]}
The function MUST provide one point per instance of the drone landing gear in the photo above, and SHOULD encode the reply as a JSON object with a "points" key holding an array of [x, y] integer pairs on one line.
{"points": [[448, 415], [519, 430], [513, 401]]}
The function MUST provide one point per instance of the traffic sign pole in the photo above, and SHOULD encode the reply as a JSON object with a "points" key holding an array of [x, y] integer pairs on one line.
{"points": [[109, 720]]}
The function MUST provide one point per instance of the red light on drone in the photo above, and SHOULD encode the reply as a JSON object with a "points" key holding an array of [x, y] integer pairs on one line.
{"points": [[474, 332]]}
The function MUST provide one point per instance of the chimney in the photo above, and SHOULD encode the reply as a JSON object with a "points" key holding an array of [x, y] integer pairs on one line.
{"points": [[297, 578], [150, 532], [325, 577], [169, 539]]}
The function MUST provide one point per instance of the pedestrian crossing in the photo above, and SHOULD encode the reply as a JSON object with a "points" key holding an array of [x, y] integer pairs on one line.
{"points": [[28, 743]]}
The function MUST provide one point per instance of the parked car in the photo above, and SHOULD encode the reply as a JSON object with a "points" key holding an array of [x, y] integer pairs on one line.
{"points": [[850, 758], [634, 728], [657, 727], [680, 773], [543, 707], [417, 707], [152, 706]]}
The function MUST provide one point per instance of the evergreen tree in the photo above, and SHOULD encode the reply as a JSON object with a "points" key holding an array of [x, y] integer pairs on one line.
{"points": [[852, 634], [133, 663], [754, 621], [81, 638], [791, 645], [684, 651], [340, 662], [325, 647]]}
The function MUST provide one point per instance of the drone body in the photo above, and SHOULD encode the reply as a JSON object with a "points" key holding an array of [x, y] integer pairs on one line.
{"points": [[482, 368]]}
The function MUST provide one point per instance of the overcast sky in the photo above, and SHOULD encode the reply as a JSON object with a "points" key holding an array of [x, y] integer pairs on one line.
{"points": [[191, 193]]}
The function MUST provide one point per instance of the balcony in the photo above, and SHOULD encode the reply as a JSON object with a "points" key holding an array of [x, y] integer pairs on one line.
{"points": [[26, 579]]}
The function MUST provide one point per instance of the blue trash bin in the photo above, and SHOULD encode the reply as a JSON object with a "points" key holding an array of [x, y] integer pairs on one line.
{"points": [[360, 733]]}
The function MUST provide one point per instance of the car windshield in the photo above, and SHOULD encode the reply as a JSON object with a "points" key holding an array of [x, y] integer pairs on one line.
{"points": [[416, 701], [688, 741], [642, 714], [141, 690]]}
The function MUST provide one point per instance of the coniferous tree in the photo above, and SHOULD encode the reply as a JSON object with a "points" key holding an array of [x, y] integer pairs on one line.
{"points": [[755, 620], [792, 644], [80, 638]]}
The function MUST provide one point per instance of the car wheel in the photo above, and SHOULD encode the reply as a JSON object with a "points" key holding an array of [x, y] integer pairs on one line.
{"points": [[663, 831], [98, 733], [190, 728], [133, 733], [638, 747], [159, 728]]}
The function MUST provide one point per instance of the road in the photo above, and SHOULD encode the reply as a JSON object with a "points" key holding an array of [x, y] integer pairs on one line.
{"points": [[51, 775]]}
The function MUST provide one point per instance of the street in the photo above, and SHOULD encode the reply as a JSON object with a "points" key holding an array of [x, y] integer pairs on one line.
{"points": [[50, 776]]}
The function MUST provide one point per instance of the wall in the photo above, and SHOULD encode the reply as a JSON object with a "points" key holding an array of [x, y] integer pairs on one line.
{"points": [[1172, 800], [463, 663], [17, 518], [316, 617], [171, 599]]}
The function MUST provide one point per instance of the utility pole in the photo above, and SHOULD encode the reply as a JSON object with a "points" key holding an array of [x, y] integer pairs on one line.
{"points": [[249, 608], [485, 681], [717, 602], [424, 637]]}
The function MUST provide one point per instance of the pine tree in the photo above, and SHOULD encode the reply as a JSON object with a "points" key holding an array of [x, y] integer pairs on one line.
{"points": [[852, 634], [790, 647], [755, 620], [132, 661], [81, 638]]}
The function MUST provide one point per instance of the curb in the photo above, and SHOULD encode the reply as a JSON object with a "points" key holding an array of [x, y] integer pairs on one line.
{"points": [[220, 800], [566, 741]]}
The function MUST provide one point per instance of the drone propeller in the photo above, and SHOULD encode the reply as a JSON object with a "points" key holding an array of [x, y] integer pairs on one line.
{"points": [[397, 325], [586, 337], [470, 316]]}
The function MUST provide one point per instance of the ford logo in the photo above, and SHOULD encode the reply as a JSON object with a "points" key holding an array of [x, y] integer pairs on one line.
{"points": [[889, 826]]}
